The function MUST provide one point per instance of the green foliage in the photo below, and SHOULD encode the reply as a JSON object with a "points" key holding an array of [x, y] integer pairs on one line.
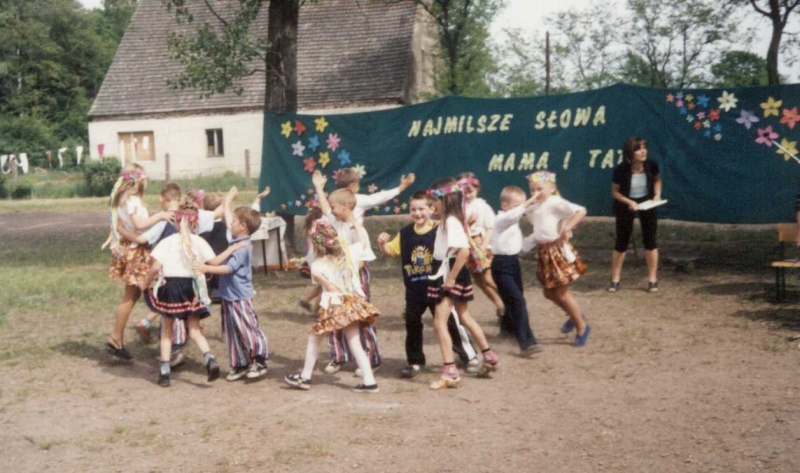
{"points": [[100, 176], [22, 190], [3, 190], [740, 69]]}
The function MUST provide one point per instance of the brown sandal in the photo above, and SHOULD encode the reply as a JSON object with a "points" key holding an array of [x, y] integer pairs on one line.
{"points": [[652, 286], [614, 286]]}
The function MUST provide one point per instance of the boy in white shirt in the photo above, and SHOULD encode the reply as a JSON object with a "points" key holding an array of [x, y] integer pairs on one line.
{"points": [[348, 178]]}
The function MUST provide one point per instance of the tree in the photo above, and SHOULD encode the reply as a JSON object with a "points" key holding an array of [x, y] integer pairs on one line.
{"points": [[778, 13], [635, 70], [463, 27], [522, 68], [679, 39], [739, 69]]}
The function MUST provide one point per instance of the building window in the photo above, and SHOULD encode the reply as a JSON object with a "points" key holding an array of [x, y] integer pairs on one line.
{"points": [[216, 148], [137, 146]]}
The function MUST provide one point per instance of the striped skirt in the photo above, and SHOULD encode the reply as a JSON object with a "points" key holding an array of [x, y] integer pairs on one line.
{"points": [[460, 292], [243, 336]]}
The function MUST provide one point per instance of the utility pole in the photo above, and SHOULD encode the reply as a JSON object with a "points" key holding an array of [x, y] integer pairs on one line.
{"points": [[547, 63]]}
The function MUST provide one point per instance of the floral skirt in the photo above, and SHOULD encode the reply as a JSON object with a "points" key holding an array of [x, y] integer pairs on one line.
{"points": [[554, 268], [131, 265], [176, 299], [338, 316], [479, 260]]}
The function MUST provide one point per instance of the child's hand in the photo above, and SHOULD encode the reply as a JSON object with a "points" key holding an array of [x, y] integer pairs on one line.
{"points": [[264, 193], [384, 238], [168, 216], [232, 193], [318, 179], [449, 283], [564, 236], [199, 268], [633, 206], [406, 181]]}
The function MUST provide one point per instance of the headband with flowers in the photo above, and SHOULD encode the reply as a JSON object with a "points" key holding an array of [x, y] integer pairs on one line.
{"points": [[133, 175], [469, 181], [542, 176], [443, 191], [186, 217], [317, 236]]}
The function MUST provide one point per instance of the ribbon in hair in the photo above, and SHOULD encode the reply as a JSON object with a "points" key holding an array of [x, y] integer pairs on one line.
{"points": [[199, 196], [133, 175], [317, 236], [186, 217], [469, 181], [542, 176], [443, 191], [113, 237], [198, 279]]}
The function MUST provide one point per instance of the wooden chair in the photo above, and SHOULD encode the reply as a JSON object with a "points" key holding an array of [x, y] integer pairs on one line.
{"points": [[787, 234]]}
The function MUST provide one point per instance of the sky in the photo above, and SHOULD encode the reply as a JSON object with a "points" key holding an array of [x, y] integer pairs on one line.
{"points": [[529, 15]]}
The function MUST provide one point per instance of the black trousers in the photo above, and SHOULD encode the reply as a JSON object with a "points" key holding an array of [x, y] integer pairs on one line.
{"points": [[647, 218], [507, 275], [413, 316]]}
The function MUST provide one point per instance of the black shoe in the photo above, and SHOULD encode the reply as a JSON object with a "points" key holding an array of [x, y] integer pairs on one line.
{"points": [[163, 380], [212, 368], [120, 352], [297, 381], [530, 350], [410, 371], [363, 388]]}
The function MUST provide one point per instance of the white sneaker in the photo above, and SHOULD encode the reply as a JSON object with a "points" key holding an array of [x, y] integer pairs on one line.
{"points": [[332, 367], [473, 366], [237, 374], [256, 370]]}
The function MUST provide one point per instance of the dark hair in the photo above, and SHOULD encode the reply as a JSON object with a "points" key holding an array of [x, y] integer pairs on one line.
{"points": [[171, 192], [249, 217], [314, 213], [632, 144], [421, 195], [346, 177], [453, 202]]}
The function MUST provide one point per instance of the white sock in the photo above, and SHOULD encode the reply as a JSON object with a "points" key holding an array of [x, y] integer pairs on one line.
{"points": [[312, 353], [362, 360]]}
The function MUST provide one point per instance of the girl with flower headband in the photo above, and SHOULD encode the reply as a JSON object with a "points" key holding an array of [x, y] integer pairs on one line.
{"points": [[130, 260], [181, 293], [343, 304], [451, 285], [480, 218], [553, 219]]}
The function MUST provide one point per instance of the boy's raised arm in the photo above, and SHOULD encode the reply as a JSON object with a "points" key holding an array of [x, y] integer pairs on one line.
{"points": [[319, 181]]}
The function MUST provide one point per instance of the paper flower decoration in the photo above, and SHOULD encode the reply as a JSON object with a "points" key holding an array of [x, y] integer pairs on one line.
{"points": [[691, 106], [336, 175], [297, 203], [718, 128], [670, 98], [790, 117], [747, 118], [718, 136], [298, 149], [679, 96], [766, 136], [682, 111], [727, 101], [372, 188], [771, 107], [698, 125], [286, 129], [333, 141], [309, 164], [283, 206], [690, 118], [310, 192], [387, 209], [359, 169], [313, 143], [299, 127], [706, 124], [787, 149], [404, 206], [703, 100], [679, 103], [397, 210], [344, 158], [689, 97], [713, 114], [324, 158], [701, 115], [321, 124]]}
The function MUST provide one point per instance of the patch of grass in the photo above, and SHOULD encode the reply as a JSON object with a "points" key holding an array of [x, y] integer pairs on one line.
{"points": [[287, 456], [774, 345], [46, 445]]}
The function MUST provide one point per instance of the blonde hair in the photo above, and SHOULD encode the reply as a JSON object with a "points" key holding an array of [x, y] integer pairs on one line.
{"points": [[344, 197], [187, 211], [212, 200], [510, 191], [130, 185]]}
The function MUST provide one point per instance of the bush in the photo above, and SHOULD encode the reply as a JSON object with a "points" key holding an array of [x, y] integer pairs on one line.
{"points": [[3, 190], [100, 176], [23, 190]]}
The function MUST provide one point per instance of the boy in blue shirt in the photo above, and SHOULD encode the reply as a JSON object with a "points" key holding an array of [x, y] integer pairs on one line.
{"points": [[247, 345]]}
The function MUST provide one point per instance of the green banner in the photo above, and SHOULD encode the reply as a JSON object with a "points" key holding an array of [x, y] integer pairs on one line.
{"points": [[725, 155]]}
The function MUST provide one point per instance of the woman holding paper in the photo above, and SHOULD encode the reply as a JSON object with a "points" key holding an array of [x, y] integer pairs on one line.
{"points": [[635, 181]]}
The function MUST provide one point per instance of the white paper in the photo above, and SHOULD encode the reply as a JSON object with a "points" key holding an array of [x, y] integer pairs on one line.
{"points": [[23, 162], [61, 157], [3, 160], [649, 204], [79, 153]]}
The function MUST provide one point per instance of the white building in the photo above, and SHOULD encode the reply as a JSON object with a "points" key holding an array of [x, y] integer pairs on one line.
{"points": [[352, 56]]}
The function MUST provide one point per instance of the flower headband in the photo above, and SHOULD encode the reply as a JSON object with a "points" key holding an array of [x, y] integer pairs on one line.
{"points": [[187, 217], [542, 176], [469, 181], [317, 236], [133, 175], [199, 196], [443, 191]]}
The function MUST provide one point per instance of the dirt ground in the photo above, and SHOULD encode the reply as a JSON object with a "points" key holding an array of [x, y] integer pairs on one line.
{"points": [[700, 377]]}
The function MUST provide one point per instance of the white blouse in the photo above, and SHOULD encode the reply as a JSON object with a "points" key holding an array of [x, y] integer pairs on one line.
{"points": [[545, 217]]}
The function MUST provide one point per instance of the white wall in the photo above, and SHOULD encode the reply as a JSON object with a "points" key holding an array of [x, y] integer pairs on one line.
{"points": [[184, 138]]}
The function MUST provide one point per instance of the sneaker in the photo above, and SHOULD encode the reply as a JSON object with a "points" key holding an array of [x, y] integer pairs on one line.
{"points": [[445, 383], [530, 350], [332, 367], [360, 374], [569, 325], [237, 374], [163, 380], [297, 381], [143, 331], [176, 358], [363, 388], [580, 340], [410, 371], [212, 368], [256, 370], [473, 366], [489, 365]]}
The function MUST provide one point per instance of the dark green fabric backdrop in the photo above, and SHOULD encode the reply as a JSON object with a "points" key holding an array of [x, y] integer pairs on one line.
{"points": [[717, 149]]}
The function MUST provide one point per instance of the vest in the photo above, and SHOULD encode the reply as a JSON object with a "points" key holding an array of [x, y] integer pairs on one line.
{"points": [[169, 230], [416, 256]]}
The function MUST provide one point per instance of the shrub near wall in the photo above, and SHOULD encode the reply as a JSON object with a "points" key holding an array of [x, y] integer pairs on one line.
{"points": [[100, 176]]}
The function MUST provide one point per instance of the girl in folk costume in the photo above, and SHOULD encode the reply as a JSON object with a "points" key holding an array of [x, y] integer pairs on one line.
{"points": [[343, 304], [182, 295], [451, 285], [553, 219], [480, 218], [130, 260]]}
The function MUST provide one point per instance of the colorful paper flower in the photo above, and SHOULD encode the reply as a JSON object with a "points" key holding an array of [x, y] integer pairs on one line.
{"points": [[718, 127], [344, 158], [701, 115], [679, 103], [670, 98], [283, 206], [309, 165], [372, 188], [703, 100], [691, 106], [727, 101], [698, 125], [396, 200], [682, 111], [387, 209], [397, 210], [707, 133], [790, 117], [336, 175], [298, 149], [690, 118], [747, 118], [321, 124], [324, 158], [713, 114], [290, 203], [706, 124], [771, 107], [333, 141], [376, 208], [787, 149], [299, 127], [679, 95], [404, 206], [359, 169], [766, 136], [718, 136], [313, 143], [297, 203], [286, 129]]}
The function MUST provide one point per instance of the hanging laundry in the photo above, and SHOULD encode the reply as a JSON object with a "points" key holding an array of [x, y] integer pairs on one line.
{"points": [[61, 157], [49, 155], [146, 143], [122, 153], [78, 153], [101, 151], [23, 162], [3, 160]]}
